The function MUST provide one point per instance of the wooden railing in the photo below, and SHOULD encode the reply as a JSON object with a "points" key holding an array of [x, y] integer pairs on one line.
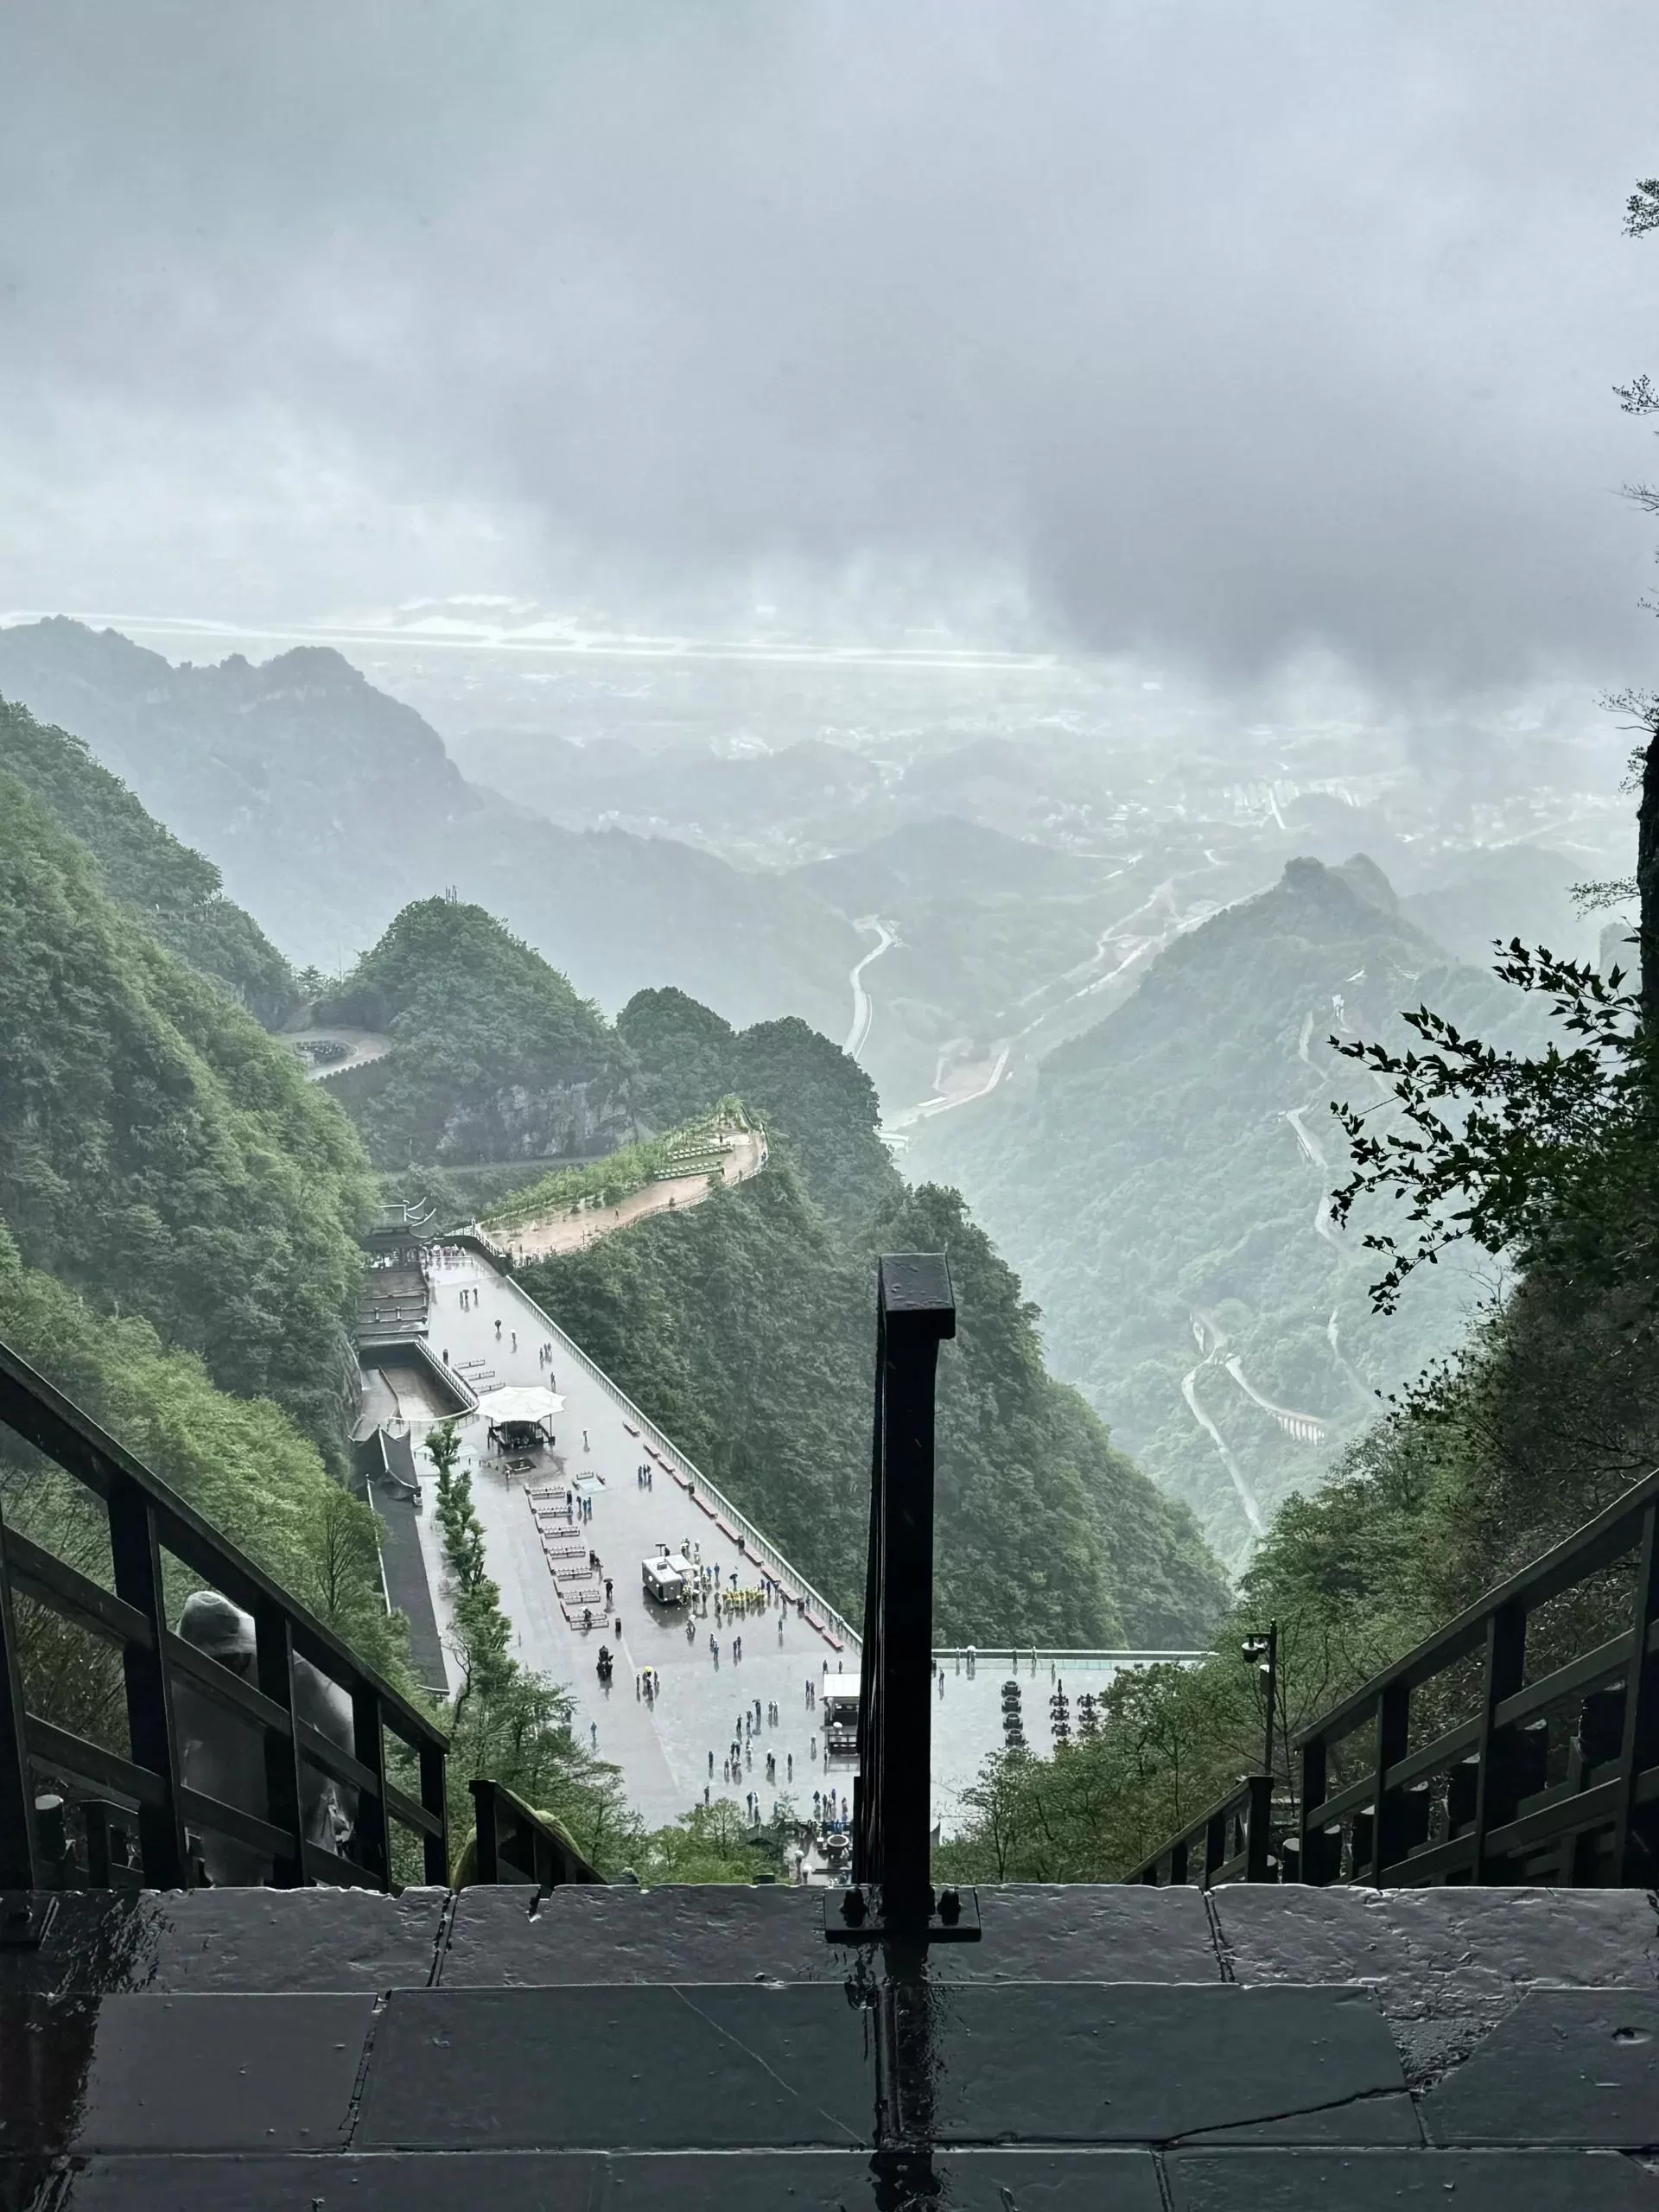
{"points": [[513, 1842], [135, 1813], [1521, 1744], [1232, 1842]]}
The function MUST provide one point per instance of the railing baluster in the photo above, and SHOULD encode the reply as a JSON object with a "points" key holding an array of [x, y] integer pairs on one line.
{"points": [[1259, 1841], [135, 1557], [487, 1849], [274, 1670], [18, 1867], [95, 1819], [435, 1800], [370, 1836], [1506, 1670], [1393, 1735], [1312, 1855], [1633, 1857]]}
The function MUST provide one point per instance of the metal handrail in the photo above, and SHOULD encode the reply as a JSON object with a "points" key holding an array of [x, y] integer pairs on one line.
{"points": [[146, 1518]]}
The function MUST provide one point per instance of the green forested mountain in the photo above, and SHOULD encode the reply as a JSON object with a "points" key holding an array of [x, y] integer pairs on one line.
{"points": [[745, 1326], [146, 868], [820, 1103], [1160, 1187], [496, 1056], [158, 1151]]}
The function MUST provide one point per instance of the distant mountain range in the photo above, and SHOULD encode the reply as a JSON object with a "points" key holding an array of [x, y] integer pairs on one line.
{"points": [[1160, 1182], [329, 807]]}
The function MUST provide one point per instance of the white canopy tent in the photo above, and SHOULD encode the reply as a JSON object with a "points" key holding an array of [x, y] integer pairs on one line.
{"points": [[519, 1401]]}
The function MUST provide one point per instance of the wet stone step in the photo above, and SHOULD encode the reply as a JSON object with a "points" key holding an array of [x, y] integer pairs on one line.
{"points": [[1397, 2181], [1106, 2181], [1566, 2066], [197, 2073]]}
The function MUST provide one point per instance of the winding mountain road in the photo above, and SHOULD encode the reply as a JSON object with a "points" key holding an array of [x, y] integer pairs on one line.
{"points": [[1212, 1339], [863, 1011], [362, 1045]]}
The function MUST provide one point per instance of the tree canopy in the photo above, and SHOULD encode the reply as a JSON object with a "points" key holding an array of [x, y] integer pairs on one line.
{"points": [[158, 1151], [496, 1056], [177, 892]]}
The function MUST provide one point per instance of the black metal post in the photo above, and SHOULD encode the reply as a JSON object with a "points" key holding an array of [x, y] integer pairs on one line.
{"points": [[371, 1834], [1632, 1855], [915, 1313], [1273, 1690], [135, 1557], [274, 1665], [435, 1800], [486, 1859], [17, 1856], [1495, 1788]]}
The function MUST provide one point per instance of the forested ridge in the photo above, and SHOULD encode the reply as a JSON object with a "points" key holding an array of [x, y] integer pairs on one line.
{"points": [[158, 1151], [179, 1214], [1157, 1194], [745, 1327], [177, 892], [495, 1057]]}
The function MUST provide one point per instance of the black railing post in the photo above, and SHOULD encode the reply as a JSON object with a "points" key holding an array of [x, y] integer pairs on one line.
{"points": [[435, 1800], [370, 1834], [274, 1668], [1632, 1855], [17, 1855], [1393, 1735], [1312, 1858], [486, 1839], [135, 1557], [1258, 1842], [1496, 1786], [915, 1313]]}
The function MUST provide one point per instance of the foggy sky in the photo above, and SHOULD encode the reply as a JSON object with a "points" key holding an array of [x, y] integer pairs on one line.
{"points": [[1203, 329]]}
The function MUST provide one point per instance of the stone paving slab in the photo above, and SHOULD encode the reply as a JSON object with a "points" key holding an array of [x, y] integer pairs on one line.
{"points": [[231, 1940], [1032, 1932], [708, 2068], [1106, 2181], [146, 2073], [1455, 1952], [1078, 2063], [1384, 2180], [1568, 2066]]}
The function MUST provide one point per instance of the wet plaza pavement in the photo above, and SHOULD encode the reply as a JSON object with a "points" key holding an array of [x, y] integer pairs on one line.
{"points": [[663, 1745]]}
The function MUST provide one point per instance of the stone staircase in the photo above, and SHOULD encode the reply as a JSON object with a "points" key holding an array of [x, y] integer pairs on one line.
{"points": [[592, 2050]]}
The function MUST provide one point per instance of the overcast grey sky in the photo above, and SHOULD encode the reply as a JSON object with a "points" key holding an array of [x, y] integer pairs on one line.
{"points": [[1205, 328]]}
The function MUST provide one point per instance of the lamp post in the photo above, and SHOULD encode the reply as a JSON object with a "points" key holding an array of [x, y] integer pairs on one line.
{"points": [[1262, 1652]]}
